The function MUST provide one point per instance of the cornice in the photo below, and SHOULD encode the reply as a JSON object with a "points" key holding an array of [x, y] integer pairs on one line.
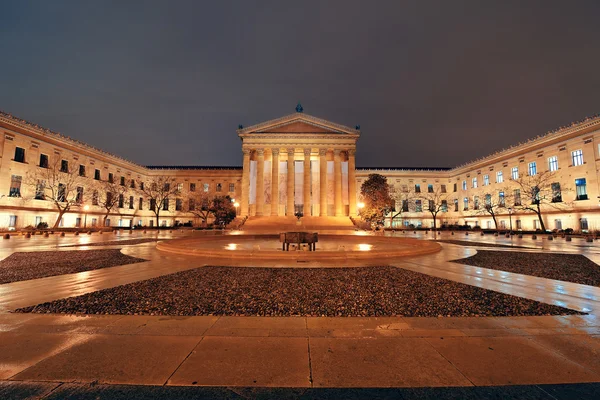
{"points": [[309, 119]]}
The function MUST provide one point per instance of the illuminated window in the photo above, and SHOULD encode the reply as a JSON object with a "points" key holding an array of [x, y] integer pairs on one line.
{"points": [[581, 189], [514, 174], [532, 169], [474, 181], [553, 163], [464, 185], [486, 180], [499, 177], [577, 157]]}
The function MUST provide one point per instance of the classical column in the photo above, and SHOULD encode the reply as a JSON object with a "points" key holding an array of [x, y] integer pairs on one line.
{"points": [[275, 182], [260, 182], [352, 182], [323, 182], [337, 181], [245, 184], [291, 170], [306, 187]]}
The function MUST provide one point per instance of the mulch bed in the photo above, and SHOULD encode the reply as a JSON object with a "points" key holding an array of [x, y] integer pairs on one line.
{"points": [[478, 244], [41, 264], [369, 291], [563, 267], [125, 242]]}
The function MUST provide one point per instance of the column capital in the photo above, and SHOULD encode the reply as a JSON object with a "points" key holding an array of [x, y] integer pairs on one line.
{"points": [[336, 152], [351, 152], [307, 152], [260, 152], [275, 151], [290, 152], [322, 152], [246, 152]]}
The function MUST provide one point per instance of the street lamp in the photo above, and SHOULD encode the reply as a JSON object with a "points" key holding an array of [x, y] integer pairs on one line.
{"points": [[85, 208], [510, 218], [236, 205]]}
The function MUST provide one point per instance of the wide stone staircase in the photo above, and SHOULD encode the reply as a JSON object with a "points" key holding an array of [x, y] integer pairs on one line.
{"points": [[290, 224]]}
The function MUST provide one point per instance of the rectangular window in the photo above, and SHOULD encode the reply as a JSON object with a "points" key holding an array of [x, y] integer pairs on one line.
{"points": [[418, 206], [558, 224], [417, 188], [167, 187], [166, 205], [219, 187], [475, 202], [553, 163], [178, 205], [532, 169], [404, 188], [192, 187], [43, 161], [514, 173], [81, 170], [141, 185], [121, 201], [455, 204], [444, 206], [64, 166], [61, 192], [97, 174], [556, 194], [180, 187], [535, 195], [584, 224], [465, 204], [95, 198], [122, 181], [486, 180], [131, 202], [488, 201], [455, 187], [474, 183], [152, 204], [429, 188], [191, 205], [577, 157], [581, 189], [501, 201], [77, 222], [431, 205], [205, 187], [464, 185], [40, 189], [111, 178], [79, 196], [109, 198], [404, 205], [12, 221], [19, 154], [517, 195], [231, 187], [499, 177], [141, 203], [132, 184], [15, 186]]}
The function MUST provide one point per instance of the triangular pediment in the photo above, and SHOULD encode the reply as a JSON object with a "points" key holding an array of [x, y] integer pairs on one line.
{"points": [[298, 123]]}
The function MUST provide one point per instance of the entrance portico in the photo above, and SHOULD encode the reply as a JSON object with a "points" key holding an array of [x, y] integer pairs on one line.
{"points": [[298, 163]]}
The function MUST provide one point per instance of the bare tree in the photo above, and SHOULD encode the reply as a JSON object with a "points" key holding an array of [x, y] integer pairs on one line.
{"points": [[437, 202], [404, 200], [199, 205], [494, 204], [534, 193], [159, 190], [60, 184], [107, 195]]}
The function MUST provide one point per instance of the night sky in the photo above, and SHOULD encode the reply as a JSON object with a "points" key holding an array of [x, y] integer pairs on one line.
{"points": [[431, 83]]}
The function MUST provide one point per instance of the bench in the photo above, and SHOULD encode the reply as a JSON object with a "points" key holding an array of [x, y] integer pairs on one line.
{"points": [[298, 237]]}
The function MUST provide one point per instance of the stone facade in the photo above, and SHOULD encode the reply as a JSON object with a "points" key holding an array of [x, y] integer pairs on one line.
{"points": [[300, 163]]}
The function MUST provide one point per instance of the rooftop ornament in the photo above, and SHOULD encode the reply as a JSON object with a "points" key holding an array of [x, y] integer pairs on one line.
{"points": [[299, 108], [240, 126], [357, 127]]}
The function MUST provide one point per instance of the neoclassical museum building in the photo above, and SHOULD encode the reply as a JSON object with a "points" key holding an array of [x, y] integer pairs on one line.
{"points": [[301, 163]]}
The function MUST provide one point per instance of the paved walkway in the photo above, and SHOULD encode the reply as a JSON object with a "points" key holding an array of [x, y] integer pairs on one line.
{"points": [[298, 352]]}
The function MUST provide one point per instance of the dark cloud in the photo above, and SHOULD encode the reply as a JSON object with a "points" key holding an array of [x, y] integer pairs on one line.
{"points": [[431, 83]]}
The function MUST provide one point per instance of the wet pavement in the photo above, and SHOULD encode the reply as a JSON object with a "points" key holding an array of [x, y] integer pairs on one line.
{"points": [[299, 352]]}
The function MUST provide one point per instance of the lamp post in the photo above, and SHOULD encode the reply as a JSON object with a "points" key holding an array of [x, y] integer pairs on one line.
{"points": [[236, 205], [510, 218], [85, 209]]}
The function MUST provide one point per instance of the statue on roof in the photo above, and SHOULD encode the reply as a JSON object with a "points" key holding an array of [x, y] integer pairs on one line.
{"points": [[299, 108]]}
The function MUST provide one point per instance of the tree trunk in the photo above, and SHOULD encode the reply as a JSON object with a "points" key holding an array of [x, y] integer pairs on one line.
{"points": [[495, 222], [157, 220], [434, 222], [539, 214], [60, 215]]}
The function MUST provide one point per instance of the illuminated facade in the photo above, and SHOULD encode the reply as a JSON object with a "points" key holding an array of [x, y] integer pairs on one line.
{"points": [[300, 163]]}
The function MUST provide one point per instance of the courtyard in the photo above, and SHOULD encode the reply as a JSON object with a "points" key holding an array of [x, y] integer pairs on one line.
{"points": [[477, 318]]}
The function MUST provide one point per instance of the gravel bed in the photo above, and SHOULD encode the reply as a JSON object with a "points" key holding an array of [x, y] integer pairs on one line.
{"points": [[369, 291], [125, 242], [479, 244], [41, 264], [563, 267]]}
